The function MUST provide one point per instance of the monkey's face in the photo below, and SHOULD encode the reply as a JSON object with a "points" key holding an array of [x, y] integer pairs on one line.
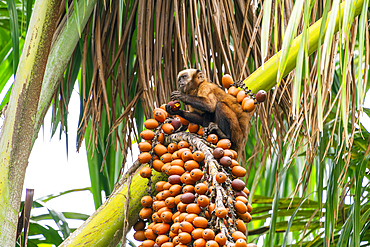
{"points": [[189, 79]]}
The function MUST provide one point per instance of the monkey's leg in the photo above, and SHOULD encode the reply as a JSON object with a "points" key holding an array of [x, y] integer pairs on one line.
{"points": [[222, 125]]}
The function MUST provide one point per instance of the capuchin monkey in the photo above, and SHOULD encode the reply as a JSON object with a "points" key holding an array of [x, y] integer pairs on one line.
{"points": [[210, 106]]}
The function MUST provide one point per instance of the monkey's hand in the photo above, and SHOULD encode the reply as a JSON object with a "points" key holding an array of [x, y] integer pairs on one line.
{"points": [[177, 95], [171, 112]]}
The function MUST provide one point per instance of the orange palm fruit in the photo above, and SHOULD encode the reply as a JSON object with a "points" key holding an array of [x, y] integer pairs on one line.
{"points": [[172, 147], [193, 208], [183, 144], [145, 172], [200, 222], [145, 213], [240, 225], [240, 243], [208, 234], [221, 212], [240, 207], [178, 162], [161, 239], [221, 177], [189, 165], [160, 115], [234, 163], [175, 227], [149, 234], [188, 189], [144, 157], [176, 170], [166, 217], [139, 225], [160, 137], [200, 242], [175, 189], [201, 131], [145, 146], [167, 186], [181, 151], [158, 205], [220, 239], [198, 156], [166, 158], [238, 235], [146, 201], [248, 105], [181, 207], [139, 236], [163, 228], [190, 217], [168, 244], [212, 138], [249, 207], [240, 96], [197, 233], [184, 237], [224, 143], [203, 201], [187, 155], [168, 128], [212, 243], [151, 123], [170, 202], [148, 243], [186, 227], [157, 165], [182, 216], [200, 188], [160, 149], [196, 174], [159, 186], [228, 153], [147, 134], [233, 91], [183, 121], [227, 80], [193, 128]]}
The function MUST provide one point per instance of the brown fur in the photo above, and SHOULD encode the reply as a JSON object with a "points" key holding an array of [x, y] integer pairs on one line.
{"points": [[207, 100]]}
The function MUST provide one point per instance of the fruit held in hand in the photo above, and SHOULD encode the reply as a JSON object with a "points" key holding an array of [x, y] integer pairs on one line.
{"points": [[175, 105]]}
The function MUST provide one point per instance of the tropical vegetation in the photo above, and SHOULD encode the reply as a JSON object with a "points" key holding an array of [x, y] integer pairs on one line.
{"points": [[307, 155]]}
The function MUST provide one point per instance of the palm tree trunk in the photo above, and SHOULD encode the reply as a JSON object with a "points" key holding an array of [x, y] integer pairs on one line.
{"points": [[18, 128]]}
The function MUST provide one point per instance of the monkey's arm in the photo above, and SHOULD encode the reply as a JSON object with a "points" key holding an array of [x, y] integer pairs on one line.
{"points": [[192, 117], [200, 103]]}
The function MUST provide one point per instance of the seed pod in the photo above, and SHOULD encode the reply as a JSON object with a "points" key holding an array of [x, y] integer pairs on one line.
{"points": [[220, 239], [184, 237], [193, 128], [187, 198], [168, 128], [198, 156], [148, 243], [139, 236], [145, 213], [144, 157], [160, 115], [226, 161], [145, 146], [186, 227], [240, 243], [172, 147], [218, 153], [146, 172], [146, 201], [196, 174], [261, 96], [157, 165], [203, 201], [212, 243], [224, 143], [238, 184], [200, 242], [147, 135], [233, 91], [221, 177], [239, 171], [240, 96], [212, 138], [238, 235], [200, 222], [240, 207], [139, 225], [208, 234], [227, 80], [197, 233], [248, 105], [221, 212], [151, 123]]}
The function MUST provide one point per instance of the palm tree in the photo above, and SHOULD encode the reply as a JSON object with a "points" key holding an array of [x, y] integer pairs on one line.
{"points": [[306, 153]]}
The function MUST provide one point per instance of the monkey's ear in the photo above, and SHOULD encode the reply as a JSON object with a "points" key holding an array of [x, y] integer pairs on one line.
{"points": [[200, 76]]}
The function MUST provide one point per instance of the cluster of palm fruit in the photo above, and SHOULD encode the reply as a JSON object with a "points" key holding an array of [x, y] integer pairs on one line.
{"points": [[244, 96], [203, 203]]}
